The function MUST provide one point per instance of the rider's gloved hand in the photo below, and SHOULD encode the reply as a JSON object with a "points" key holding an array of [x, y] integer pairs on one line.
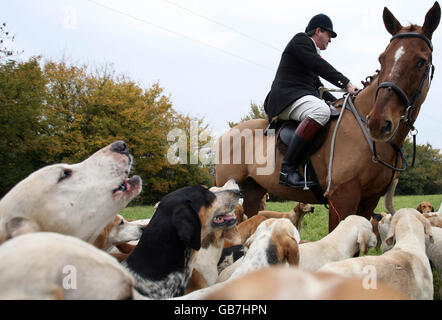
{"points": [[352, 89]]}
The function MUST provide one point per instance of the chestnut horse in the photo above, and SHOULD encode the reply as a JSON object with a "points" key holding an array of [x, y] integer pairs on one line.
{"points": [[390, 103]]}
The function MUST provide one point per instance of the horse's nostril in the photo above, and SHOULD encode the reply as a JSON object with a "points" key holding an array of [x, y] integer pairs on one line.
{"points": [[119, 147], [387, 128]]}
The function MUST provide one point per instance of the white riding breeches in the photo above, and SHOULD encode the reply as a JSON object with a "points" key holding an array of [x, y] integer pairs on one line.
{"points": [[310, 106]]}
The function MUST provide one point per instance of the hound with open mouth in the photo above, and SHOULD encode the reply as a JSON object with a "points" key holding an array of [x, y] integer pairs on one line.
{"points": [[222, 228], [185, 220], [73, 199]]}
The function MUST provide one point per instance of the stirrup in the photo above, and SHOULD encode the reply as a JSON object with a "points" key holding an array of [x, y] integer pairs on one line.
{"points": [[305, 178]]}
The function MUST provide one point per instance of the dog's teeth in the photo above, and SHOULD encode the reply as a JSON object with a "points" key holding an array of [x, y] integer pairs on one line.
{"points": [[219, 220]]}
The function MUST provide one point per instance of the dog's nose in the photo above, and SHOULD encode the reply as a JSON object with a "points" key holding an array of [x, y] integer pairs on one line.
{"points": [[120, 147]]}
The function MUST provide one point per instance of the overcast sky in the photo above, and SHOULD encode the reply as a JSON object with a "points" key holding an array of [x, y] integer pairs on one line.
{"points": [[214, 57]]}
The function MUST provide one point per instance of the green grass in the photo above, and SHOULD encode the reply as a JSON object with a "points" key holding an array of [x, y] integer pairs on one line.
{"points": [[315, 226], [138, 212]]}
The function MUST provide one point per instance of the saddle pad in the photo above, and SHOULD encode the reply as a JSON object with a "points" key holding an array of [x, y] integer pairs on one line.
{"points": [[288, 131]]}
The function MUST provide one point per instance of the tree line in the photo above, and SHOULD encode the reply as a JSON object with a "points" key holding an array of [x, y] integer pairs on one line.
{"points": [[54, 112]]}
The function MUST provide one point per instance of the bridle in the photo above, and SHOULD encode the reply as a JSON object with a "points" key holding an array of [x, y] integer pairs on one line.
{"points": [[409, 105]]}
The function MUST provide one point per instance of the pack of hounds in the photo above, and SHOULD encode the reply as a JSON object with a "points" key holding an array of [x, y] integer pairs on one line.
{"points": [[61, 237]]}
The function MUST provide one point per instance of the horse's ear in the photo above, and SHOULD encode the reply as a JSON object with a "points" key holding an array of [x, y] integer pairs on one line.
{"points": [[432, 19], [391, 23]]}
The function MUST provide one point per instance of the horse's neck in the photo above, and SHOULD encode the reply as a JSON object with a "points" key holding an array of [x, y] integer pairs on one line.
{"points": [[365, 100]]}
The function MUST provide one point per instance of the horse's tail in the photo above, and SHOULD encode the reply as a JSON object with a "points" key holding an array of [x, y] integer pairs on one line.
{"points": [[388, 198]]}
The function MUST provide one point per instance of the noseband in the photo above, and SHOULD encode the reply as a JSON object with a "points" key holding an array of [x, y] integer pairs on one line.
{"points": [[409, 104]]}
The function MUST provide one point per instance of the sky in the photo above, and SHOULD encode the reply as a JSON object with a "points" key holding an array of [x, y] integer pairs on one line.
{"points": [[213, 58]]}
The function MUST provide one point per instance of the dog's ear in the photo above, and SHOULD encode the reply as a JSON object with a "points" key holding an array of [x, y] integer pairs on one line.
{"points": [[188, 225], [291, 250], [20, 225], [389, 238], [391, 231], [419, 207], [432, 208], [100, 241], [363, 241], [427, 226], [249, 241]]}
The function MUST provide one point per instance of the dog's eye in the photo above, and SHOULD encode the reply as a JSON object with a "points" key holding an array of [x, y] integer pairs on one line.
{"points": [[65, 174]]}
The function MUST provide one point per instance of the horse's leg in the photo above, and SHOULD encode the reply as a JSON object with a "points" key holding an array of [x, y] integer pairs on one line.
{"points": [[252, 193], [343, 202], [367, 206]]}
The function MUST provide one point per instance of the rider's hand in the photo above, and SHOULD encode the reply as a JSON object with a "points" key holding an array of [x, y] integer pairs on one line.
{"points": [[352, 89]]}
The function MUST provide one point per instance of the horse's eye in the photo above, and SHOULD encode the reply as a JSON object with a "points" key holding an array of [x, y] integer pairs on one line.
{"points": [[381, 57], [65, 174], [421, 63]]}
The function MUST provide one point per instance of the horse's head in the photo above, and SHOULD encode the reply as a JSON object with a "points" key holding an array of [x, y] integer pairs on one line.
{"points": [[406, 65]]}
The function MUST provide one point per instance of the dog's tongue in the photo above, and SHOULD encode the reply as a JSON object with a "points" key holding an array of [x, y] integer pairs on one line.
{"points": [[127, 182], [129, 185], [228, 217], [223, 218]]}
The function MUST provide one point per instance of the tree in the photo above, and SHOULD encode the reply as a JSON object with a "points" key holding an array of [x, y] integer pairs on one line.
{"points": [[426, 176], [64, 113], [86, 110], [22, 91], [6, 53], [256, 112]]}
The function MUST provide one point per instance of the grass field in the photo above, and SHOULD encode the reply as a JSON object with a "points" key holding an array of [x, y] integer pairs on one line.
{"points": [[315, 226]]}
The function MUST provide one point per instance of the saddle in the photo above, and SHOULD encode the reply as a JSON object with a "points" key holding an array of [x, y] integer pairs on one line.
{"points": [[284, 130]]}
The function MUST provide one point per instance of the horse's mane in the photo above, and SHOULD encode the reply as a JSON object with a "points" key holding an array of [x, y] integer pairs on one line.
{"points": [[411, 28], [369, 79]]}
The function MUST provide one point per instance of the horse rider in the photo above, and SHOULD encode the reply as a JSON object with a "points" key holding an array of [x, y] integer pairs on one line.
{"points": [[294, 92]]}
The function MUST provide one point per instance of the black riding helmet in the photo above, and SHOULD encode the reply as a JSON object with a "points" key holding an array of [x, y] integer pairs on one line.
{"points": [[322, 21]]}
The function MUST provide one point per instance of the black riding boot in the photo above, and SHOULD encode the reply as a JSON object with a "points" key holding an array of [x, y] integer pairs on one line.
{"points": [[304, 135]]}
